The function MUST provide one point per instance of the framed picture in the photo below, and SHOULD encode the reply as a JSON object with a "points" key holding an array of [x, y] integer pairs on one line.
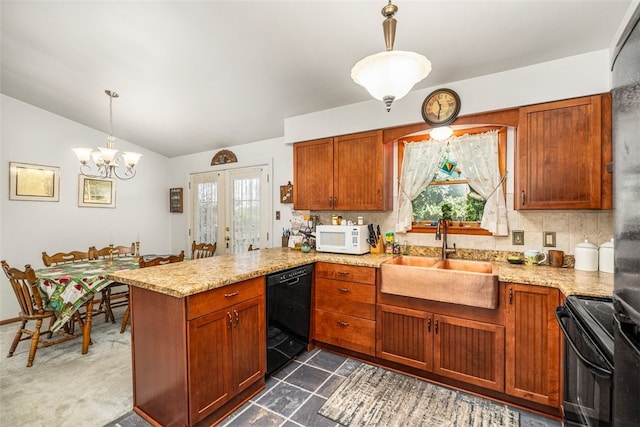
{"points": [[34, 182], [96, 193]]}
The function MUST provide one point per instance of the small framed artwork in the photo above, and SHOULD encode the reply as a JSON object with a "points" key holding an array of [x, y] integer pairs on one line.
{"points": [[96, 193], [34, 182]]}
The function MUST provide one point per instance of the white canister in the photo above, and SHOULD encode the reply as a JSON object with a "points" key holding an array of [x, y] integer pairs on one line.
{"points": [[606, 257], [586, 255]]}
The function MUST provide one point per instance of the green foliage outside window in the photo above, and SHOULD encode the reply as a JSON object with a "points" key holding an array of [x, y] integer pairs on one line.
{"points": [[451, 190]]}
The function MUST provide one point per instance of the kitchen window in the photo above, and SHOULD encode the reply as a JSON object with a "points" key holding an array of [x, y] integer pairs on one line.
{"points": [[449, 190]]}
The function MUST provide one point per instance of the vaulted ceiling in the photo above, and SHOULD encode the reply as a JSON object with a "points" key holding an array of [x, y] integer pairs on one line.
{"points": [[201, 75]]}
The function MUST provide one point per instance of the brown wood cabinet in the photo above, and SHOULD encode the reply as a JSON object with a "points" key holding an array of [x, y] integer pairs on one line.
{"points": [[469, 351], [405, 336], [533, 350], [562, 152], [194, 355], [461, 349], [351, 173], [345, 298]]}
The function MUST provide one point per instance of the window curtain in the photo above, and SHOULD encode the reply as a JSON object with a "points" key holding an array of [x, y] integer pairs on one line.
{"points": [[478, 156], [419, 163]]}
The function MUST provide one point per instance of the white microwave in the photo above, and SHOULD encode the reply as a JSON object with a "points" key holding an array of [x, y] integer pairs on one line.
{"points": [[342, 239]]}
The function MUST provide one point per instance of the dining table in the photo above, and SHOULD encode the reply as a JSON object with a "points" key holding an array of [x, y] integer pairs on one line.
{"points": [[67, 287]]}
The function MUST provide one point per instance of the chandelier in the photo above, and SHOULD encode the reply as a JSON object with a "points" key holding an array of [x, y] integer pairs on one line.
{"points": [[390, 75], [108, 160]]}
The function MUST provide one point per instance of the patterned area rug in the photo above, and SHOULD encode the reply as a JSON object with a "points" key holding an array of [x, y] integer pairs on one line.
{"points": [[373, 396]]}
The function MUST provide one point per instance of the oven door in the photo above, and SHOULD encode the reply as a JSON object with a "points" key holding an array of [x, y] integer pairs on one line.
{"points": [[588, 375]]}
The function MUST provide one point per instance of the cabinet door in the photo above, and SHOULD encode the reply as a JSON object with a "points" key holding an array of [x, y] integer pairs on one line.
{"points": [[533, 344], [209, 370], [313, 175], [249, 343], [405, 336], [360, 179], [469, 351], [558, 155]]}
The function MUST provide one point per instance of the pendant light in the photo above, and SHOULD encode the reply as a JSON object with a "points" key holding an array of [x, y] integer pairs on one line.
{"points": [[107, 160], [390, 75]]}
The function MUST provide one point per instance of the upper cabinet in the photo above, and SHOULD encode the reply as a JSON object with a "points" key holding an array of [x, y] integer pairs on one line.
{"points": [[562, 155], [350, 173]]}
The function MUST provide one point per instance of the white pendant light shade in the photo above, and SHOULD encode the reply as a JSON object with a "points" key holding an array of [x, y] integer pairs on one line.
{"points": [[131, 159], [441, 133], [83, 154], [390, 75]]}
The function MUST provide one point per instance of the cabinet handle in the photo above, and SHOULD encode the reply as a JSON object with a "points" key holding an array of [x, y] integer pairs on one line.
{"points": [[330, 201], [343, 273], [522, 198], [510, 295], [232, 294], [237, 317], [436, 326], [230, 321], [428, 325], [341, 323], [345, 290]]}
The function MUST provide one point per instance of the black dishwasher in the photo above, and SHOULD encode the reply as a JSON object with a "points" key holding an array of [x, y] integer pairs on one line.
{"points": [[288, 315]]}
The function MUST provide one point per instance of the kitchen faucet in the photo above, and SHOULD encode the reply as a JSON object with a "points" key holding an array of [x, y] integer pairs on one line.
{"points": [[443, 236]]}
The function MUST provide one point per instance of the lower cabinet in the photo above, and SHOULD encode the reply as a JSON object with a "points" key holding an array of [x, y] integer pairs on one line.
{"points": [[194, 358], [533, 354], [469, 351], [461, 349], [345, 298], [222, 355], [404, 336]]}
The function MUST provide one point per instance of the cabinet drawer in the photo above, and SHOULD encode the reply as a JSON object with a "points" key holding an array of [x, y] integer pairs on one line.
{"points": [[349, 332], [355, 299], [216, 299], [349, 273]]}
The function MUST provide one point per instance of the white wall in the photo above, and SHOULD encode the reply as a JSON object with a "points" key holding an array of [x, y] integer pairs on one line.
{"points": [[32, 135], [564, 78], [271, 152]]}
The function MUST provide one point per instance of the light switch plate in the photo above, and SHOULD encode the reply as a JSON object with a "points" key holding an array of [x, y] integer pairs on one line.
{"points": [[277, 215], [517, 237], [549, 239]]}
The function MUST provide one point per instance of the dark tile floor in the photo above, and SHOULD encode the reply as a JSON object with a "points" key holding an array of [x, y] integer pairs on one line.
{"points": [[295, 393]]}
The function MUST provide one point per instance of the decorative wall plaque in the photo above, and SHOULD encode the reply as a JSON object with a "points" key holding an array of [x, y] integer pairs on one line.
{"points": [[222, 157]]}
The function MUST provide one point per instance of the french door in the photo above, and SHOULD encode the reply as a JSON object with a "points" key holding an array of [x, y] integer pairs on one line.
{"points": [[231, 208]]}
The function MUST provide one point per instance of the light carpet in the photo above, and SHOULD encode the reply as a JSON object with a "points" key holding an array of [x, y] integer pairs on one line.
{"points": [[65, 387], [373, 396]]}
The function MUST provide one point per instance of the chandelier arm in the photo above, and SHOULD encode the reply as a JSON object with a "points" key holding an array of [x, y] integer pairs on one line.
{"points": [[128, 174], [85, 170]]}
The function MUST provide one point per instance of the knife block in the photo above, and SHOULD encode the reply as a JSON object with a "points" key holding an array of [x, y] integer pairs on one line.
{"points": [[379, 249]]}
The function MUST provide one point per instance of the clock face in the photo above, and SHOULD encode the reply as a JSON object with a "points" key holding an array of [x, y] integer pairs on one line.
{"points": [[441, 107]]}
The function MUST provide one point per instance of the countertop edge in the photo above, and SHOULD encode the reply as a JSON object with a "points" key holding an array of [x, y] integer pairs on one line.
{"points": [[177, 279]]}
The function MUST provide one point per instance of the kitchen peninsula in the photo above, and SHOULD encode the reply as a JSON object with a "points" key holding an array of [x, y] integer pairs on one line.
{"points": [[198, 327]]}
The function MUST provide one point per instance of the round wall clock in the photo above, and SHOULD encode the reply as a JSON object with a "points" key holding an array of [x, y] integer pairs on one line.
{"points": [[441, 107]]}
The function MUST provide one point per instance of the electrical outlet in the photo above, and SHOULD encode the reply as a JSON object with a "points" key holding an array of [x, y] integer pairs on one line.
{"points": [[549, 239], [517, 237]]}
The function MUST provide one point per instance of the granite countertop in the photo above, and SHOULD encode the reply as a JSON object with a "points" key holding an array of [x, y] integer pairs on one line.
{"points": [[195, 276]]}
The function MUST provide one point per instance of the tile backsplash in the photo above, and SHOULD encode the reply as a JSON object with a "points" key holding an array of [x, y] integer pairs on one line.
{"points": [[571, 227]]}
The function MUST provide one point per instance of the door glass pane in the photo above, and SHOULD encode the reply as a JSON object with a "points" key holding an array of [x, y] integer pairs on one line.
{"points": [[245, 209], [205, 207]]}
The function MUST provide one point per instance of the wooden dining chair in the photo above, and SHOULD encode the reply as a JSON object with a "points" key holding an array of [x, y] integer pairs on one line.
{"points": [[25, 288], [150, 262], [117, 251], [116, 294], [64, 257], [202, 250]]}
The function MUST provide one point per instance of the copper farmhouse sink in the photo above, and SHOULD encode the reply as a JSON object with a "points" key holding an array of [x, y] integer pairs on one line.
{"points": [[454, 281]]}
